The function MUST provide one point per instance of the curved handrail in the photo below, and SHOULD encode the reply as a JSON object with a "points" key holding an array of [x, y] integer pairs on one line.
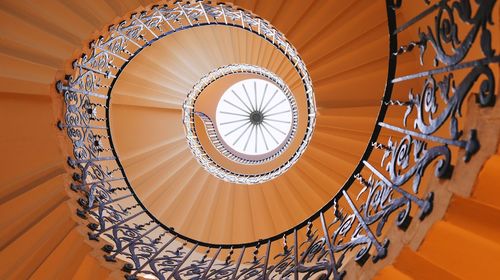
{"points": [[214, 139], [349, 222], [207, 162]]}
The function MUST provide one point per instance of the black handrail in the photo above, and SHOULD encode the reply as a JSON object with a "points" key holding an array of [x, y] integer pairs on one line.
{"points": [[320, 250]]}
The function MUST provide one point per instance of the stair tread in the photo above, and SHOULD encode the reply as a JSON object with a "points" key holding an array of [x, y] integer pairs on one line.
{"points": [[64, 261], [25, 210], [22, 256], [458, 250], [417, 266]]}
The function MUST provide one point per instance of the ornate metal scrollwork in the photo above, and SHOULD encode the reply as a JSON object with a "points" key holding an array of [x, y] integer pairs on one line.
{"points": [[400, 159], [426, 102], [353, 225], [445, 31]]}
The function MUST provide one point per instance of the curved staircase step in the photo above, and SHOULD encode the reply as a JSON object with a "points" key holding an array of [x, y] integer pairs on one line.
{"points": [[24, 255]]}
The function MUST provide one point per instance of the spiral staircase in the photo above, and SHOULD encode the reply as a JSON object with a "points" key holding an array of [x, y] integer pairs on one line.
{"points": [[115, 163]]}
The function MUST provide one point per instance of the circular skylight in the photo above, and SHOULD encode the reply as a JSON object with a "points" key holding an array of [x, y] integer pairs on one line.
{"points": [[254, 117], [249, 119]]}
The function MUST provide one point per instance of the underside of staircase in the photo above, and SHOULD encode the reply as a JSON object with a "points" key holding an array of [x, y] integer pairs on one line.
{"points": [[43, 238]]}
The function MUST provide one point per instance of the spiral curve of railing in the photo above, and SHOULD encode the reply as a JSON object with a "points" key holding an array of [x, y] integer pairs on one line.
{"points": [[351, 225], [207, 162]]}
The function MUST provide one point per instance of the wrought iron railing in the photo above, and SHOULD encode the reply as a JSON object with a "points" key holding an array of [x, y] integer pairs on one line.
{"points": [[197, 149], [353, 225]]}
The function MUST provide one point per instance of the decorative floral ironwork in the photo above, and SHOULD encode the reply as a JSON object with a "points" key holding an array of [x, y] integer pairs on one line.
{"points": [[446, 31], [352, 226], [426, 102]]}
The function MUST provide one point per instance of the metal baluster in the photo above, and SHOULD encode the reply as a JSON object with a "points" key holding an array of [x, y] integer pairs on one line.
{"points": [[331, 249], [61, 88], [185, 14], [266, 262], [475, 63], [223, 13], [381, 248], [242, 21], [296, 255], [145, 26], [61, 126], [424, 205], [95, 236], [417, 18], [113, 257], [164, 19], [125, 36], [73, 162], [106, 74], [182, 262], [238, 263], [96, 46], [458, 143], [471, 146], [204, 12], [101, 203], [134, 275], [211, 263], [80, 187]]}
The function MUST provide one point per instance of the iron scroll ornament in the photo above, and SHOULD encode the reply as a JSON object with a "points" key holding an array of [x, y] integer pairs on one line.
{"points": [[97, 72], [351, 226]]}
